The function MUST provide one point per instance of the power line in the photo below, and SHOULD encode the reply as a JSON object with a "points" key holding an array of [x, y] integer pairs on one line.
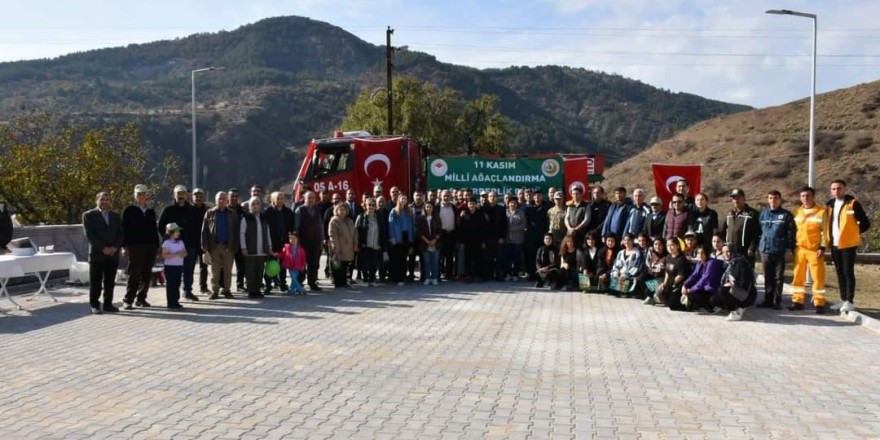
{"points": [[620, 52]]}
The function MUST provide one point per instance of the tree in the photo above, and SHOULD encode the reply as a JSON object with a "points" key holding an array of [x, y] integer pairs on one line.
{"points": [[52, 172], [437, 117]]}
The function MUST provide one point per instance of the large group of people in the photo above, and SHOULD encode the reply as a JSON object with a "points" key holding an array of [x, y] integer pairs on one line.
{"points": [[683, 255]]}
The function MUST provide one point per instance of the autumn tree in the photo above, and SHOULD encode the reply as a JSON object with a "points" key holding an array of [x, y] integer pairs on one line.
{"points": [[51, 171], [437, 117]]}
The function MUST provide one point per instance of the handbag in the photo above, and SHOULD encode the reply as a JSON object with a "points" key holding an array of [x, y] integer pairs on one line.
{"points": [[615, 285], [584, 282], [652, 284]]}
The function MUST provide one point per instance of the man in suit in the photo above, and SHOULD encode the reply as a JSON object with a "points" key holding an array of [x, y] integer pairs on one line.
{"points": [[103, 229]]}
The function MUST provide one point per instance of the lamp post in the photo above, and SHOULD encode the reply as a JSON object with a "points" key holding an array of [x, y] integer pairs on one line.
{"points": [[194, 163], [811, 164]]}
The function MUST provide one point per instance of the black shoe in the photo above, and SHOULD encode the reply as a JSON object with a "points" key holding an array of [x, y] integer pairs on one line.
{"points": [[241, 288], [820, 310], [795, 306], [175, 306], [110, 308], [777, 306], [267, 291], [190, 296], [204, 290], [284, 287], [539, 284], [142, 304], [127, 305], [228, 295], [765, 305], [256, 295], [214, 296], [315, 288]]}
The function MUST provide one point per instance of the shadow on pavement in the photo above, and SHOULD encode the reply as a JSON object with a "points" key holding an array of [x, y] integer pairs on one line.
{"points": [[807, 318]]}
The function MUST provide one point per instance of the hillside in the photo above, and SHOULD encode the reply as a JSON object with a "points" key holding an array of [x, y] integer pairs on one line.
{"points": [[289, 79], [764, 149]]}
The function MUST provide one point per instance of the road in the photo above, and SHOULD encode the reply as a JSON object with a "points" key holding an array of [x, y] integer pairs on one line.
{"points": [[455, 361]]}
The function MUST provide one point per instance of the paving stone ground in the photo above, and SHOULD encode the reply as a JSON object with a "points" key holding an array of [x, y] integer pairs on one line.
{"points": [[455, 361]]}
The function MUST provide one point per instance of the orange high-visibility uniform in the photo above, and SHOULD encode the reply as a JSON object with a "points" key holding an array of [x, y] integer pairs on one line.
{"points": [[812, 224]]}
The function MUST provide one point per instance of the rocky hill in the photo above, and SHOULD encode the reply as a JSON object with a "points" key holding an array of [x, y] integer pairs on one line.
{"points": [[289, 79], [764, 149]]}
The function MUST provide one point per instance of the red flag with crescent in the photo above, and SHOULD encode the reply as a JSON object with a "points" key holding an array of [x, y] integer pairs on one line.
{"points": [[667, 175]]}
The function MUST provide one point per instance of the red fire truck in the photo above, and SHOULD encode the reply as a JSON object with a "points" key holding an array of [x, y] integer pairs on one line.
{"points": [[361, 161]]}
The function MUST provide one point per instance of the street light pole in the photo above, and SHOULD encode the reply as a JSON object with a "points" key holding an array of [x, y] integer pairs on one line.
{"points": [[194, 162], [811, 164], [390, 99]]}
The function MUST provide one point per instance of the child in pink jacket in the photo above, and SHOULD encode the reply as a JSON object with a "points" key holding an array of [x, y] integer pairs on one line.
{"points": [[293, 260]]}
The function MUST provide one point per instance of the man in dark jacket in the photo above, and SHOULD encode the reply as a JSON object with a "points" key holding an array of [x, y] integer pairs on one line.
{"points": [[598, 211], [473, 226], [618, 215], [578, 217], [140, 245], [190, 219], [220, 239], [200, 204], [309, 225], [741, 227], [103, 229], [256, 245], [235, 205], [280, 219], [537, 225], [777, 239], [5, 227], [495, 230]]}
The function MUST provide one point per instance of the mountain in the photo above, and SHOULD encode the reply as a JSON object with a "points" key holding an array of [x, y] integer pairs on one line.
{"points": [[767, 149], [289, 79]]}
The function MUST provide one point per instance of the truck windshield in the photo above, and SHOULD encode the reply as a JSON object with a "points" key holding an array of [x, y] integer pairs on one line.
{"points": [[331, 160]]}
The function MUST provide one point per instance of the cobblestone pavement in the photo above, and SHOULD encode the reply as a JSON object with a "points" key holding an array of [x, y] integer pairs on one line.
{"points": [[456, 361]]}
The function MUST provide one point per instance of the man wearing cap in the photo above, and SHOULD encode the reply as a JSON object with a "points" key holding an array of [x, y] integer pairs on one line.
{"points": [[140, 244], [199, 203], [190, 219], [377, 191], [656, 220], [556, 218], [220, 239], [280, 219], [741, 227], [256, 244], [577, 217], [235, 205], [777, 240], [103, 230]]}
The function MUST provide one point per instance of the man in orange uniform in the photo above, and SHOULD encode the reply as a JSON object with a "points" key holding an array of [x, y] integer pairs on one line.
{"points": [[812, 222], [847, 221]]}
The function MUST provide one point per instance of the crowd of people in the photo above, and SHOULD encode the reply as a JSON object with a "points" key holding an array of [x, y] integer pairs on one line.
{"points": [[683, 255]]}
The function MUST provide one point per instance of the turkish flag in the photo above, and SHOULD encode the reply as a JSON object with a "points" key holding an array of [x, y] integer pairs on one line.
{"points": [[666, 176]]}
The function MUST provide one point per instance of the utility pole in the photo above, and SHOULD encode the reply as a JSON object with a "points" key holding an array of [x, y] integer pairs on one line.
{"points": [[390, 101]]}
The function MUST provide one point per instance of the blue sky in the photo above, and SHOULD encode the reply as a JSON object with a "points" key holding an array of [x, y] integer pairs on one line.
{"points": [[724, 50]]}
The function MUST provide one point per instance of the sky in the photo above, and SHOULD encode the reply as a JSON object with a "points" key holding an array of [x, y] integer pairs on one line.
{"points": [[730, 51]]}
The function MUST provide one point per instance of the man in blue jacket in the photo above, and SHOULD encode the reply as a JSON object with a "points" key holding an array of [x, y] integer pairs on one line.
{"points": [[618, 214], [778, 232]]}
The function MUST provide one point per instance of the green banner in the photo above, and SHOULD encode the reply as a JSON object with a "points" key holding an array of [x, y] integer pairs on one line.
{"points": [[504, 175]]}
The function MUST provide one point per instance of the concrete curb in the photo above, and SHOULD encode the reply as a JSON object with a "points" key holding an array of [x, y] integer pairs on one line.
{"points": [[863, 320]]}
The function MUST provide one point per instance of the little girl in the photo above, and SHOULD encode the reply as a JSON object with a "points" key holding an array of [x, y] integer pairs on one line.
{"points": [[173, 251], [293, 259]]}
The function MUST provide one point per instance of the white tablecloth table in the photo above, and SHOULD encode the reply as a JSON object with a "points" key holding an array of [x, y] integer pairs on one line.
{"points": [[40, 265]]}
